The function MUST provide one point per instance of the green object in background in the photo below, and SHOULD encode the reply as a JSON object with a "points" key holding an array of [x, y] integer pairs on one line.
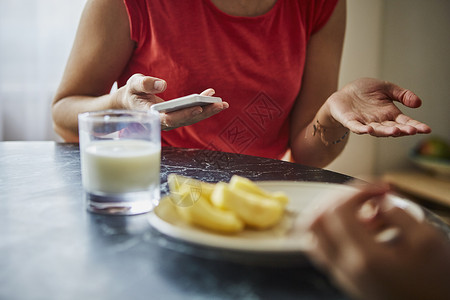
{"points": [[434, 147]]}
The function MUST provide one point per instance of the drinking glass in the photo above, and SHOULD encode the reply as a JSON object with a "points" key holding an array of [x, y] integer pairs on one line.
{"points": [[120, 160]]}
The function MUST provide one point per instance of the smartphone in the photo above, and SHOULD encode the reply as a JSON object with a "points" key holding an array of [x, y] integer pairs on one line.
{"points": [[184, 102]]}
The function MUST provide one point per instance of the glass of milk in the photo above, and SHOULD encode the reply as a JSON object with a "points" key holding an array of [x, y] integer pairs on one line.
{"points": [[120, 160]]}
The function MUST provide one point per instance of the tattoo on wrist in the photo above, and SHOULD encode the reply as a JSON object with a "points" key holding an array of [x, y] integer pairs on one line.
{"points": [[320, 130]]}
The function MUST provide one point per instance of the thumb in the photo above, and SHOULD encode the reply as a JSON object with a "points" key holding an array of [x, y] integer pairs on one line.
{"points": [[139, 83], [404, 96], [208, 92]]}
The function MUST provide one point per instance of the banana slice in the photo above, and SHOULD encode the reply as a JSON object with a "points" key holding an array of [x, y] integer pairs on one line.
{"points": [[204, 214], [223, 207], [255, 210], [185, 191], [245, 184]]}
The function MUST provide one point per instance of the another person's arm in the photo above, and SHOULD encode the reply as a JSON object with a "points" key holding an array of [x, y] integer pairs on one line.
{"points": [[414, 263], [101, 50]]}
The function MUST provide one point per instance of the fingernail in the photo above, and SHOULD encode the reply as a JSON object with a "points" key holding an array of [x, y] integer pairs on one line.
{"points": [[209, 92], [159, 85]]}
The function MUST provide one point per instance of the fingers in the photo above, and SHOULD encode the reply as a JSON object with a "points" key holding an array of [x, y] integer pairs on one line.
{"points": [[399, 127], [407, 125], [208, 92], [358, 127], [189, 116], [419, 126], [402, 126], [140, 84], [346, 200], [344, 244], [349, 207], [396, 216], [390, 128], [408, 229], [383, 129], [144, 87], [337, 237], [342, 217], [192, 115]]}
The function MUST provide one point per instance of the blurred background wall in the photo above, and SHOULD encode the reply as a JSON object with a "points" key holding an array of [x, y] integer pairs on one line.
{"points": [[403, 41], [35, 40]]}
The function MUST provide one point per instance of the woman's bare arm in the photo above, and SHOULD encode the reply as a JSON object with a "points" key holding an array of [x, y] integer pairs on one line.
{"points": [[320, 80], [101, 49]]}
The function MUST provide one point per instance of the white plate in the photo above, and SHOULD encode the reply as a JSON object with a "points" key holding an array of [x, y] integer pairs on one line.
{"points": [[283, 238]]}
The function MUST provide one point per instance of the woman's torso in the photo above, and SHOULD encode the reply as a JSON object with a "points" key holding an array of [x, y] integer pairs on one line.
{"points": [[253, 63]]}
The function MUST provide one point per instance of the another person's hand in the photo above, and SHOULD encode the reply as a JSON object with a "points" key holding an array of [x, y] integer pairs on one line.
{"points": [[140, 93], [365, 106], [412, 263]]}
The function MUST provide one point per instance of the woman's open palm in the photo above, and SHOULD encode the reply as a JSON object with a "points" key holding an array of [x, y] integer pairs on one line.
{"points": [[366, 106]]}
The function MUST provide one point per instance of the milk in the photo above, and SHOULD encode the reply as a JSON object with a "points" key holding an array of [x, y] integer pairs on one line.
{"points": [[120, 166]]}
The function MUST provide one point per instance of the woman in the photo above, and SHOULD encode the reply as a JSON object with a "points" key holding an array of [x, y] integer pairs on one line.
{"points": [[275, 64]]}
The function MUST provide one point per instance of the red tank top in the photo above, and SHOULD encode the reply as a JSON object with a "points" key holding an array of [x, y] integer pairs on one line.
{"points": [[253, 63]]}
